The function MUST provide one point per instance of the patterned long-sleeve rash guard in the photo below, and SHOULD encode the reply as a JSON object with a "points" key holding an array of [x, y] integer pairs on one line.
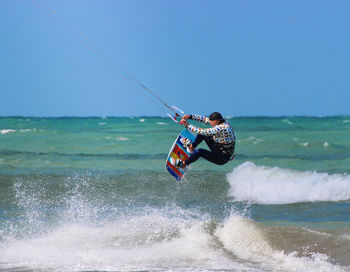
{"points": [[222, 133]]}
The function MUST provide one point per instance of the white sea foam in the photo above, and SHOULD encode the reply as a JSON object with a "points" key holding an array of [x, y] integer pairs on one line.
{"points": [[245, 239], [274, 185], [346, 236], [165, 240], [287, 122], [102, 123], [306, 144], [122, 139], [161, 123], [253, 139], [149, 242], [6, 131], [117, 138], [142, 120]]}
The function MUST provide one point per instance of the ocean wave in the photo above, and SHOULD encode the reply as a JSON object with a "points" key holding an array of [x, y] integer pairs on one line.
{"points": [[117, 156], [252, 139], [79, 230], [136, 242], [250, 241], [7, 131], [340, 154], [122, 139], [167, 240], [287, 121], [274, 185]]}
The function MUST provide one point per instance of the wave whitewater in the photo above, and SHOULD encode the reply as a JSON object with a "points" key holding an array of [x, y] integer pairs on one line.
{"points": [[250, 241], [155, 240], [274, 185], [81, 228]]}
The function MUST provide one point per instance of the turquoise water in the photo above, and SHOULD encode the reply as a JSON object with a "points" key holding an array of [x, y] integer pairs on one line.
{"points": [[92, 194]]}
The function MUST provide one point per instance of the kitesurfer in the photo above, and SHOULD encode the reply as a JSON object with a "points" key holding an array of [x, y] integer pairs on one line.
{"points": [[220, 139]]}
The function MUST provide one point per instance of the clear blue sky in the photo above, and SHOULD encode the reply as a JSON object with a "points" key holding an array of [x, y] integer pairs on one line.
{"points": [[242, 58]]}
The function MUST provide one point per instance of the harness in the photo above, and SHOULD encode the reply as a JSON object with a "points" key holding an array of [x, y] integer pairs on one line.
{"points": [[228, 150]]}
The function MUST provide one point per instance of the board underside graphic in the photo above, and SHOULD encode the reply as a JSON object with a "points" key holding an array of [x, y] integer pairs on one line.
{"points": [[178, 151]]}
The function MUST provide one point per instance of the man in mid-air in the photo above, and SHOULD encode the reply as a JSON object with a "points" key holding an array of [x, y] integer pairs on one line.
{"points": [[220, 139]]}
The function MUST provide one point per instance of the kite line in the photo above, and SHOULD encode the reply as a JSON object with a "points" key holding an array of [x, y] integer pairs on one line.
{"points": [[116, 67]]}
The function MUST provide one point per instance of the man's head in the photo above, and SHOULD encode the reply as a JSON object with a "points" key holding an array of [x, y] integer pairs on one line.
{"points": [[215, 119]]}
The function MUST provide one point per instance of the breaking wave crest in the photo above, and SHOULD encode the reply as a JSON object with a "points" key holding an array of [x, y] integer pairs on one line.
{"points": [[250, 241], [274, 185]]}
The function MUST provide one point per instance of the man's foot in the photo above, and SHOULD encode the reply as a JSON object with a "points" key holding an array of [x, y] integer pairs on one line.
{"points": [[187, 144], [185, 141], [180, 163]]}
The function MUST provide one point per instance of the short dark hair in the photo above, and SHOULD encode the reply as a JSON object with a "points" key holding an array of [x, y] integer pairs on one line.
{"points": [[215, 116]]}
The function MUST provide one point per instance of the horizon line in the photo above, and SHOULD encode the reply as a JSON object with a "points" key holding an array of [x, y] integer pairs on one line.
{"points": [[166, 117]]}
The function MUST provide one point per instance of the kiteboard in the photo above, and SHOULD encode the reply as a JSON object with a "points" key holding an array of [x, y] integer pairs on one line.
{"points": [[179, 150]]}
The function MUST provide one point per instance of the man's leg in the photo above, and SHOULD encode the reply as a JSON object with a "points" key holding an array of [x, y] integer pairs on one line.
{"points": [[198, 140], [208, 155], [213, 156]]}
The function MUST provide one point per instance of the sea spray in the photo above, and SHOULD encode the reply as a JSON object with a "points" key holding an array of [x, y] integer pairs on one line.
{"points": [[132, 242]]}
